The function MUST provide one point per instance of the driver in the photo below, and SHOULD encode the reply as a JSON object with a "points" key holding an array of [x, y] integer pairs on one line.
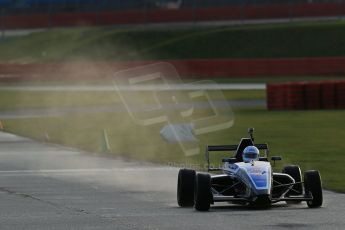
{"points": [[251, 153]]}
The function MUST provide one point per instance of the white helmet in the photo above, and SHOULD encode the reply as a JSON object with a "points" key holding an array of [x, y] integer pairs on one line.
{"points": [[251, 153]]}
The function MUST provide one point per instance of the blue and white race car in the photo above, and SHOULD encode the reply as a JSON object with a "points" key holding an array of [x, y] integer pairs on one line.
{"points": [[247, 179]]}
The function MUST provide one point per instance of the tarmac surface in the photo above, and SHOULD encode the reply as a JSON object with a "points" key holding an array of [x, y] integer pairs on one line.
{"points": [[47, 186]]}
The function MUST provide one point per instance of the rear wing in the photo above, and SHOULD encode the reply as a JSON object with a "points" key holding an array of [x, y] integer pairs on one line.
{"points": [[221, 148]]}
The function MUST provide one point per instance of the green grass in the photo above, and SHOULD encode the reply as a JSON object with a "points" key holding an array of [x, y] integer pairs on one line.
{"points": [[312, 139], [220, 80], [14, 100], [108, 43]]}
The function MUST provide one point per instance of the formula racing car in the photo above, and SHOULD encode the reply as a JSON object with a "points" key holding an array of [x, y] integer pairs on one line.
{"points": [[247, 179]]}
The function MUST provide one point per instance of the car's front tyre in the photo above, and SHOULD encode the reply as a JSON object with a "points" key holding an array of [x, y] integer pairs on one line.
{"points": [[185, 187], [313, 187], [203, 194], [295, 172]]}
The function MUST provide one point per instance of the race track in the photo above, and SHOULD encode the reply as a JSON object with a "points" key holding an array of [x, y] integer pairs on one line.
{"points": [[45, 186]]}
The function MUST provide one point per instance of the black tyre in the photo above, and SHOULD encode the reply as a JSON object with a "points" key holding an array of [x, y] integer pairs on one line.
{"points": [[313, 187], [295, 172], [203, 194], [185, 187]]}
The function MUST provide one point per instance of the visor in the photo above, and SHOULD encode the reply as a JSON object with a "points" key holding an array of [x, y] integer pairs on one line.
{"points": [[251, 155]]}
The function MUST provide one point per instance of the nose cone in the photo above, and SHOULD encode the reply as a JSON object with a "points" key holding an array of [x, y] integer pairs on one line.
{"points": [[262, 200], [258, 177]]}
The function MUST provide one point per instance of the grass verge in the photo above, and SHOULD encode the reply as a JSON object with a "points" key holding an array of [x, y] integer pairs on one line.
{"points": [[312, 139], [15, 100], [312, 39]]}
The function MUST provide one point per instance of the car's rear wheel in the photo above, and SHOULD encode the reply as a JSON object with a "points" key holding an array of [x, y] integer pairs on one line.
{"points": [[203, 194], [185, 187], [313, 187]]}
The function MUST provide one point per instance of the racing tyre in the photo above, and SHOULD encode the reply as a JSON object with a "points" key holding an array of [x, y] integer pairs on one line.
{"points": [[295, 172], [203, 194], [185, 187], [313, 187]]}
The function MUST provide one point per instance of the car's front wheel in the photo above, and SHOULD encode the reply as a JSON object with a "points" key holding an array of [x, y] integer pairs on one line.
{"points": [[295, 172], [203, 194], [313, 187], [185, 187]]}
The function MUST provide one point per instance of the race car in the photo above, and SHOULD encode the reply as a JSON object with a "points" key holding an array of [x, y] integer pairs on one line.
{"points": [[247, 179]]}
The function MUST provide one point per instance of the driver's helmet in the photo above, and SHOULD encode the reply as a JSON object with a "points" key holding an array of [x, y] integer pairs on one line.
{"points": [[251, 153]]}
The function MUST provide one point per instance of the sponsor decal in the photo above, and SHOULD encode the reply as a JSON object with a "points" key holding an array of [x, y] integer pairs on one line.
{"points": [[258, 176], [234, 167]]}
